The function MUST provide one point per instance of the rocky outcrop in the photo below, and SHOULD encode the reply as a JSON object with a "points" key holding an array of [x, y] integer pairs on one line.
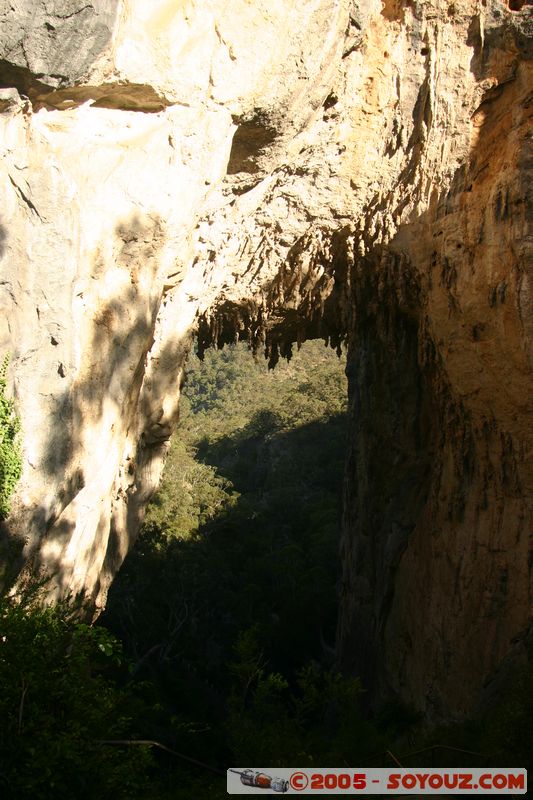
{"points": [[275, 172]]}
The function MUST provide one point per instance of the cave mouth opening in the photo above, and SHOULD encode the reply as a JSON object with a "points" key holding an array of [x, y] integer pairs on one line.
{"points": [[237, 562], [257, 461]]}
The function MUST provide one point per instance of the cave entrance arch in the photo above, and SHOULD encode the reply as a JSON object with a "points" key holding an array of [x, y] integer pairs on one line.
{"points": [[250, 504], [371, 305]]}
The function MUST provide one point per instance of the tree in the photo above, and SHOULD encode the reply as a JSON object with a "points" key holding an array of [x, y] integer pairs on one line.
{"points": [[57, 706]]}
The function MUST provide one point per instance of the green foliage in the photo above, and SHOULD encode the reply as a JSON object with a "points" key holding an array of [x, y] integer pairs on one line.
{"points": [[228, 389], [315, 721], [10, 454], [245, 526], [232, 409], [224, 608], [57, 704], [185, 503], [242, 535]]}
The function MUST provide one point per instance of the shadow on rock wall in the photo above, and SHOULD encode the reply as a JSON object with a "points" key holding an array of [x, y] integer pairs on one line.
{"points": [[119, 334], [3, 240], [438, 381]]}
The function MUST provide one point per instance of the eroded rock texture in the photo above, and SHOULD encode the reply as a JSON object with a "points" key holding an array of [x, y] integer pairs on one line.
{"points": [[275, 171]]}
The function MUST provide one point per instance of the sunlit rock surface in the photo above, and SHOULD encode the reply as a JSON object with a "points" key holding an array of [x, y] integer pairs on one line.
{"points": [[277, 171]]}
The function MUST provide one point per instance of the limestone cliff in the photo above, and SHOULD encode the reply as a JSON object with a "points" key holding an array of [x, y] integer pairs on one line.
{"points": [[275, 171]]}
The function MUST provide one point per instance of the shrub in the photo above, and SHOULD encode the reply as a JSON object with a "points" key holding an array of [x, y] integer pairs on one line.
{"points": [[10, 455], [57, 705]]}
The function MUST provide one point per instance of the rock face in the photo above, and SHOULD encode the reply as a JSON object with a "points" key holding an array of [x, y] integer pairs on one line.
{"points": [[278, 171]]}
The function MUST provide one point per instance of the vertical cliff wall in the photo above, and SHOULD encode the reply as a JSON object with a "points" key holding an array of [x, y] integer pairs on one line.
{"points": [[437, 545], [359, 172]]}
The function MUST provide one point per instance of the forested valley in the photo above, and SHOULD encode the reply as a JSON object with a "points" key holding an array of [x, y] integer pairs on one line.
{"points": [[217, 639]]}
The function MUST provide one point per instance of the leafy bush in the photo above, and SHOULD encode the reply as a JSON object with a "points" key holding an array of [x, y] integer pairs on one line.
{"points": [[10, 455], [57, 705], [316, 720]]}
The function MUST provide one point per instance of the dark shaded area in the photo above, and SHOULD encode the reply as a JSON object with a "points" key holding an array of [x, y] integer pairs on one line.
{"points": [[511, 34], [58, 700], [229, 628], [3, 240], [21, 79], [127, 97], [403, 412], [518, 5], [269, 561], [11, 557], [251, 139], [221, 616], [388, 466]]}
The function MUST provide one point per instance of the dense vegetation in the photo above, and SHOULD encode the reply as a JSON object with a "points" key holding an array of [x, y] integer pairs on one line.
{"points": [[57, 702], [10, 455], [217, 637], [238, 558]]}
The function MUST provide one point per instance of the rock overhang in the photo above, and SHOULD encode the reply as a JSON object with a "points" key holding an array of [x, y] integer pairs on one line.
{"points": [[278, 172]]}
